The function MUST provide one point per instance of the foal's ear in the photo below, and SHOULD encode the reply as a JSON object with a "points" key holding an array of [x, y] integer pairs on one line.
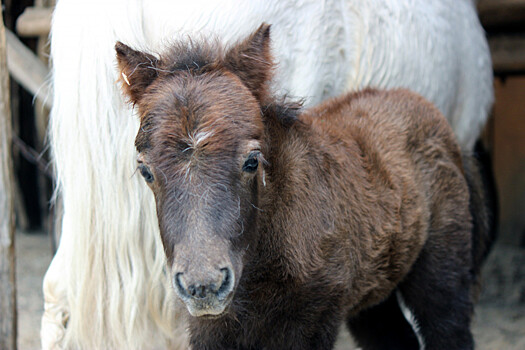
{"points": [[251, 61], [137, 70]]}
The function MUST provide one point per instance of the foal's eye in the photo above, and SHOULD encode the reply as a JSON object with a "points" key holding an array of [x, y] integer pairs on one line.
{"points": [[146, 173], [251, 164]]}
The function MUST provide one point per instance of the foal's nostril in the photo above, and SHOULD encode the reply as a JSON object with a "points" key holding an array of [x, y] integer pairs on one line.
{"points": [[227, 283], [179, 285]]}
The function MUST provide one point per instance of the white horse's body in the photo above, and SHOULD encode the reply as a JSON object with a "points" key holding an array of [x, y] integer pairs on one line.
{"points": [[106, 288]]}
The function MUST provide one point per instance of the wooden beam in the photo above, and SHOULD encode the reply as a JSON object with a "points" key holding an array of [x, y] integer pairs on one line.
{"points": [[501, 13], [8, 321], [27, 69], [34, 21], [508, 54]]}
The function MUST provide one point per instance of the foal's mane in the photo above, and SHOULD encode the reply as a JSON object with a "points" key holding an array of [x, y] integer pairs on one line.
{"points": [[283, 109]]}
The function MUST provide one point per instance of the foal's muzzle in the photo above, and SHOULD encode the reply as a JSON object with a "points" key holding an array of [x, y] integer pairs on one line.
{"points": [[205, 296]]}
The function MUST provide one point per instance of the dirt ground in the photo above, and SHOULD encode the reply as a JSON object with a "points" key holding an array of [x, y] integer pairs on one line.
{"points": [[499, 322]]}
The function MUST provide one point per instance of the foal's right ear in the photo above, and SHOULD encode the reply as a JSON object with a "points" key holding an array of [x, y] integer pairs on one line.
{"points": [[137, 70], [251, 61]]}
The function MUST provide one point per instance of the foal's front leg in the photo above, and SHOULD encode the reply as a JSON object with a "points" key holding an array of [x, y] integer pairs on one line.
{"points": [[383, 327], [319, 332], [435, 299]]}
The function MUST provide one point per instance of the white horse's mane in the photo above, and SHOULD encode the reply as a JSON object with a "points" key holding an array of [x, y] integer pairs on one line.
{"points": [[106, 287]]}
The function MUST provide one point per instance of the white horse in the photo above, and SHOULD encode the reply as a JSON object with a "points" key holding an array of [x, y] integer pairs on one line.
{"points": [[106, 287]]}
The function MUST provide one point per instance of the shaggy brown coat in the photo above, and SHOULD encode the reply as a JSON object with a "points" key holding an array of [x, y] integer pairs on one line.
{"points": [[279, 224]]}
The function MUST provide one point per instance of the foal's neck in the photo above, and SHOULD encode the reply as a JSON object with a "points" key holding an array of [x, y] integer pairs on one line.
{"points": [[289, 219]]}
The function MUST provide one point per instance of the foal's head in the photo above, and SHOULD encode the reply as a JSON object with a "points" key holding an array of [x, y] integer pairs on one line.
{"points": [[199, 150]]}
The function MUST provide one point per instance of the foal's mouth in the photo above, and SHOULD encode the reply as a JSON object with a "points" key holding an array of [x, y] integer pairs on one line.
{"points": [[208, 308], [211, 317]]}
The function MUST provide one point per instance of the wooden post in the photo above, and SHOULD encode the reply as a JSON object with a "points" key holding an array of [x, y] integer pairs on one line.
{"points": [[8, 324]]}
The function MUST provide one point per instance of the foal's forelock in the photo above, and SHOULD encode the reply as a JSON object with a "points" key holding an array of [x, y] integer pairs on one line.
{"points": [[198, 137]]}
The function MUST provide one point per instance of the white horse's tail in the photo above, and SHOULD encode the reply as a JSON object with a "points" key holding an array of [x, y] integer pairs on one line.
{"points": [[105, 288]]}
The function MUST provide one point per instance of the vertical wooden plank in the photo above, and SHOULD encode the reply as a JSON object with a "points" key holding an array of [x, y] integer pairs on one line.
{"points": [[509, 158], [8, 324]]}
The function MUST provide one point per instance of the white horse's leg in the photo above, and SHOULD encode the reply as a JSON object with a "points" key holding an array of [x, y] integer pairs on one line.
{"points": [[55, 305]]}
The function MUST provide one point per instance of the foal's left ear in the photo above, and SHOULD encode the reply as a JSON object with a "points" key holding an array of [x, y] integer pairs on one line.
{"points": [[251, 61], [137, 70]]}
